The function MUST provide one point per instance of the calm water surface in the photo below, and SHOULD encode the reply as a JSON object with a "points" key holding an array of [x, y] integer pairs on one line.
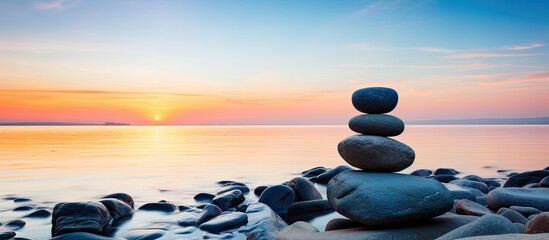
{"points": [[52, 164]]}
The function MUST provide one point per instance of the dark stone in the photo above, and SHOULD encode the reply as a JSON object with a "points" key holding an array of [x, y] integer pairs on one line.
{"points": [[278, 198], [375, 153], [377, 124], [544, 182], [18, 200], [159, 206], [492, 183], [307, 210], [225, 222], [510, 237], [144, 234], [342, 223], [387, 199], [228, 199], [258, 190], [124, 197], [444, 178], [525, 211], [375, 100], [422, 172], [117, 209], [328, 175], [519, 227], [263, 223], [210, 211], [429, 229], [23, 208], [7, 235], [240, 186], [491, 224], [15, 224], [81, 236], [204, 197], [304, 189], [69, 217], [521, 179], [531, 185], [464, 193], [446, 171], [468, 207], [187, 219], [474, 178], [481, 200], [183, 208], [41, 213], [538, 224], [471, 184], [313, 172], [512, 215], [524, 197]]}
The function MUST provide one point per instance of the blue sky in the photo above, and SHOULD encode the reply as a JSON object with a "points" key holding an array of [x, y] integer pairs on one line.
{"points": [[244, 55]]}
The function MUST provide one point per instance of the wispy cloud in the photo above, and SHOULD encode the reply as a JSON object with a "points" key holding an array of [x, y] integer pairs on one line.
{"points": [[477, 55], [435, 50], [94, 92], [524, 46], [457, 66], [50, 5], [38, 45], [375, 7], [526, 78]]}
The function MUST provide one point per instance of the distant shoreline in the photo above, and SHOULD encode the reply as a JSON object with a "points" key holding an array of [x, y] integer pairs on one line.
{"points": [[479, 121]]}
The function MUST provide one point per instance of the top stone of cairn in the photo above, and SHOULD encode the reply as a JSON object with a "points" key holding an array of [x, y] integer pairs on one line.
{"points": [[375, 100]]}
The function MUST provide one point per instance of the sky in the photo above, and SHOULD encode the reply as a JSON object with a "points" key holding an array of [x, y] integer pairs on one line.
{"points": [[270, 62]]}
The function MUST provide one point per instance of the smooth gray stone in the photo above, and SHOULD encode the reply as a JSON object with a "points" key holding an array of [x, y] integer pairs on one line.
{"points": [[375, 153], [7, 235], [204, 197], [531, 185], [307, 210], [304, 189], [515, 196], [82, 236], [187, 219], [232, 186], [210, 211], [387, 199], [263, 223], [544, 182], [538, 224], [525, 211], [341, 223], [21, 199], [328, 175], [429, 229], [159, 206], [117, 209], [259, 189], [459, 192], [445, 171], [468, 207], [486, 225], [124, 197], [519, 227], [278, 198], [510, 237], [144, 234], [422, 172], [313, 172], [521, 179], [41, 213], [228, 199], [377, 124], [492, 183], [225, 222], [69, 217], [471, 184], [15, 224], [512, 215], [375, 99], [481, 200]]}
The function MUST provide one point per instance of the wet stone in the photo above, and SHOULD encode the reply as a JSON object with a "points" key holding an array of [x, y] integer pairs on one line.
{"points": [[159, 206]]}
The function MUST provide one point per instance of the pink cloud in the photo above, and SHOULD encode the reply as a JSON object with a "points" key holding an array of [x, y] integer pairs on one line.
{"points": [[50, 5]]}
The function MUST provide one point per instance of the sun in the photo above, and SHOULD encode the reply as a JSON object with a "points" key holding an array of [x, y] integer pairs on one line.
{"points": [[157, 118]]}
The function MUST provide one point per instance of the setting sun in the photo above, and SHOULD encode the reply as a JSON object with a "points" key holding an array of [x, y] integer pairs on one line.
{"points": [[157, 118]]}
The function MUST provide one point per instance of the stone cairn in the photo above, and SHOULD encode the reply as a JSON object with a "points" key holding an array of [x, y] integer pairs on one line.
{"points": [[375, 195]]}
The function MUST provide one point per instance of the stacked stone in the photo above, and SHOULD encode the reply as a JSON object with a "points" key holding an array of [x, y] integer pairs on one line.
{"points": [[375, 195]]}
